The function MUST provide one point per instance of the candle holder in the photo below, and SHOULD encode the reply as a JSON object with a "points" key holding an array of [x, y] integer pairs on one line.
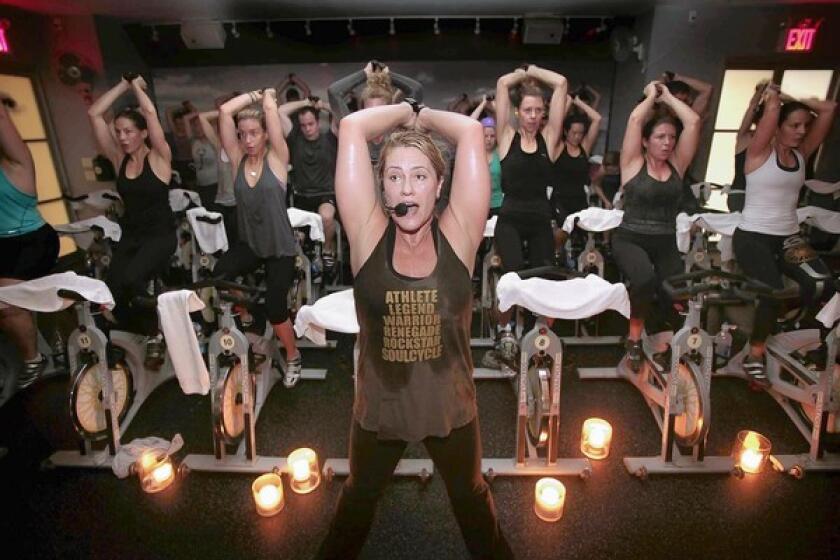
{"points": [[155, 470], [595, 438], [549, 499], [751, 451], [304, 472], [267, 490]]}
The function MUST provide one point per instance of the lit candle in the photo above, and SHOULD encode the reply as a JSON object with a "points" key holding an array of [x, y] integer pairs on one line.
{"points": [[300, 470], [595, 438], [268, 494], [751, 451], [163, 473], [304, 470], [549, 499], [156, 472]]}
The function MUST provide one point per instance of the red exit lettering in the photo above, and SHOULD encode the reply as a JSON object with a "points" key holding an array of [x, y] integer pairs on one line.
{"points": [[800, 39]]}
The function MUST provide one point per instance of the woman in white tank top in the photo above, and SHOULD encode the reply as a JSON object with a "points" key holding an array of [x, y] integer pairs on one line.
{"points": [[766, 242]]}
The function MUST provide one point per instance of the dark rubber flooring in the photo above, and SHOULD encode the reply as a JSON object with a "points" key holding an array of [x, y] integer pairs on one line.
{"points": [[69, 513]]}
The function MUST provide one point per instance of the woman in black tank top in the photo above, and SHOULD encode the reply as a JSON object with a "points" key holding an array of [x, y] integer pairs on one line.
{"points": [[571, 170], [140, 152], [526, 154], [653, 160], [412, 287]]}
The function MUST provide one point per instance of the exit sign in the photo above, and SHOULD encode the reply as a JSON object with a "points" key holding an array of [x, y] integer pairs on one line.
{"points": [[801, 37]]}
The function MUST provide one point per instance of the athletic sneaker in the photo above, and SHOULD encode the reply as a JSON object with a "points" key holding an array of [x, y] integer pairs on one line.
{"points": [[507, 348], [155, 353], [635, 354], [756, 372], [292, 374], [491, 360], [328, 259], [31, 371]]}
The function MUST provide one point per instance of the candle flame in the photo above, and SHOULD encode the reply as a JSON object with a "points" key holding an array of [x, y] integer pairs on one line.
{"points": [[163, 473], [268, 496], [550, 496], [300, 470]]}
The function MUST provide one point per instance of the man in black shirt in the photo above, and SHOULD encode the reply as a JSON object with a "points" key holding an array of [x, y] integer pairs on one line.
{"points": [[313, 154]]}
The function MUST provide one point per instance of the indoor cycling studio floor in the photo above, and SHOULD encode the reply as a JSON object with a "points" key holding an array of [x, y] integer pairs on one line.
{"points": [[67, 513]]}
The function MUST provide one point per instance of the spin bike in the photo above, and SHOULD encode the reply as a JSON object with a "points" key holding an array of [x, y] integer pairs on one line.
{"points": [[680, 398], [105, 393], [537, 385], [242, 374], [809, 395]]}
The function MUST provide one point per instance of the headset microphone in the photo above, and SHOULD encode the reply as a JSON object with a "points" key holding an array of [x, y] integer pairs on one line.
{"points": [[400, 209]]}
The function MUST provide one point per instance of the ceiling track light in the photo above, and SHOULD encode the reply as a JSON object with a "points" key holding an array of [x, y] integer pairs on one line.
{"points": [[477, 29], [268, 32], [234, 32], [392, 30], [436, 27], [350, 30], [307, 27]]}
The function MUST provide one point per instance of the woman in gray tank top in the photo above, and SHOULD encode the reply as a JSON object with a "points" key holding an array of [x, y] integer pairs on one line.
{"points": [[412, 268], [259, 157], [766, 242]]}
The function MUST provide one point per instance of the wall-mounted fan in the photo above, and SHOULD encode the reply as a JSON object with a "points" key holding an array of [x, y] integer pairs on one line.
{"points": [[71, 70]]}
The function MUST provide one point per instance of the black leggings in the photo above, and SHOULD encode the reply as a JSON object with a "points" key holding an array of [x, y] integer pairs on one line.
{"points": [[645, 261], [761, 256], [372, 462], [136, 260], [279, 273], [513, 230]]}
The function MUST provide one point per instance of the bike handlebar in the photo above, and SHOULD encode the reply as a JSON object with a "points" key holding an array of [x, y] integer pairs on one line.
{"points": [[677, 287], [550, 273]]}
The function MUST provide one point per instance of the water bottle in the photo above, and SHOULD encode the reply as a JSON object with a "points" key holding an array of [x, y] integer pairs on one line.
{"points": [[723, 342]]}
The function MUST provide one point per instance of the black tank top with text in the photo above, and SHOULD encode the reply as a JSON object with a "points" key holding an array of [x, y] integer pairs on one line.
{"points": [[414, 376]]}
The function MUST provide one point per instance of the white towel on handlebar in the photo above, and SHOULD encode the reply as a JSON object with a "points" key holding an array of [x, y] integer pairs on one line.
{"points": [[130, 452], [41, 294], [335, 312], [593, 219], [82, 228], [301, 218], [577, 298], [180, 199], [820, 218], [724, 224], [174, 310], [490, 227], [823, 187], [210, 237]]}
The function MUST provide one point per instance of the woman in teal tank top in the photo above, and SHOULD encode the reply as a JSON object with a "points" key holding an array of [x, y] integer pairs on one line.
{"points": [[488, 124], [28, 245], [412, 266]]}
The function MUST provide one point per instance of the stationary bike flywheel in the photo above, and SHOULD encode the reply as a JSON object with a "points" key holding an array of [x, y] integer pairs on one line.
{"points": [[86, 408], [691, 426], [539, 403], [228, 409]]}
